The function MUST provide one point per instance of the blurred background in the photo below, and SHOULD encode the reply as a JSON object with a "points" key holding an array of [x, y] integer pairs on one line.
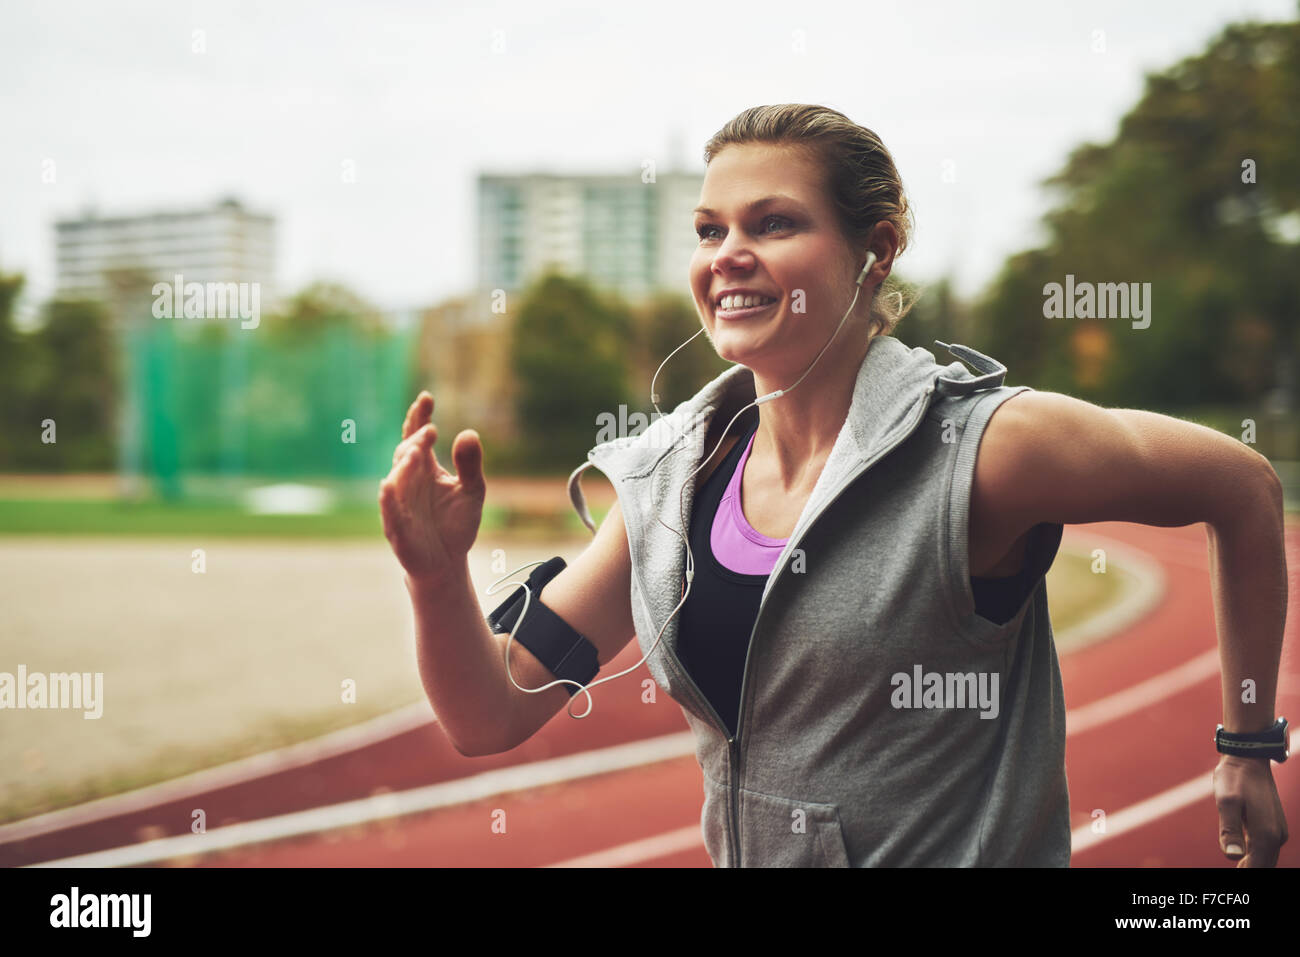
{"points": [[493, 202]]}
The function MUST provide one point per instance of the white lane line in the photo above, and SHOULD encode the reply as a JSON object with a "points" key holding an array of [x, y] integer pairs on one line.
{"points": [[1144, 812], [1153, 808], [394, 804], [1144, 694], [1144, 586], [247, 769], [661, 845]]}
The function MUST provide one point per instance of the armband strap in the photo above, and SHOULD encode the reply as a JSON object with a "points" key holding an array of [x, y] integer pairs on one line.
{"points": [[564, 652]]}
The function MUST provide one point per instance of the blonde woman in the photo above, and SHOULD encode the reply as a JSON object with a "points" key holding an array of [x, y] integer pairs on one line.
{"points": [[833, 555]]}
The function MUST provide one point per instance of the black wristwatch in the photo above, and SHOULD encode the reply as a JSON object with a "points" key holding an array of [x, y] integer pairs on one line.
{"points": [[1272, 743]]}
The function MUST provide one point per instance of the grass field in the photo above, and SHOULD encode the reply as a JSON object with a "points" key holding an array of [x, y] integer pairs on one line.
{"points": [[129, 520]]}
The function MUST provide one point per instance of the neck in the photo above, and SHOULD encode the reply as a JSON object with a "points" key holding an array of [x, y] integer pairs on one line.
{"points": [[797, 431]]}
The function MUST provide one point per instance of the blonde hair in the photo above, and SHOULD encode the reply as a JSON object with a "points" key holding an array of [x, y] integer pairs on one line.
{"points": [[861, 179]]}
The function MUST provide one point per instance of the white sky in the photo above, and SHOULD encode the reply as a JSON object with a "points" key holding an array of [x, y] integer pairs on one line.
{"points": [[416, 96]]}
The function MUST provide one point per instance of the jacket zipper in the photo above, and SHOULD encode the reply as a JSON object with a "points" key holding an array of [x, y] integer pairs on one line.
{"points": [[701, 698], [733, 815], [733, 751], [923, 406], [733, 748]]}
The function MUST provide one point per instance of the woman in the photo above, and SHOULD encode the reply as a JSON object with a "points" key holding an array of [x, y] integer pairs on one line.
{"points": [[858, 631]]}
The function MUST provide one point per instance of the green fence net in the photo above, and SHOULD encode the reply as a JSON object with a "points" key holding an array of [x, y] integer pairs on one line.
{"points": [[216, 412]]}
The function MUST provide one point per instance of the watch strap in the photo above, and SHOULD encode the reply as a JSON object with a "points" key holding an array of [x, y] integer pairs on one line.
{"points": [[1271, 743]]}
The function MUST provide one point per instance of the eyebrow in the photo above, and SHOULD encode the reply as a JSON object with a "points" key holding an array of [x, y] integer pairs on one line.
{"points": [[765, 201]]}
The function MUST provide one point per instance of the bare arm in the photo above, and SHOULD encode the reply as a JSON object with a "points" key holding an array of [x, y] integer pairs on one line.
{"points": [[462, 663], [431, 520], [1051, 458]]}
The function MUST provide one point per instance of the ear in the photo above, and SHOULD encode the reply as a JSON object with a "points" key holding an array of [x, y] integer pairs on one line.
{"points": [[884, 243]]}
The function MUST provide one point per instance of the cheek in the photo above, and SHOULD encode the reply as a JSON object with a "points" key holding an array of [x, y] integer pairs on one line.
{"points": [[698, 274]]}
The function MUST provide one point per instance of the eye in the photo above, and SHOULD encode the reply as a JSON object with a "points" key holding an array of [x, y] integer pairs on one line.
{"points": [[702, 230]]}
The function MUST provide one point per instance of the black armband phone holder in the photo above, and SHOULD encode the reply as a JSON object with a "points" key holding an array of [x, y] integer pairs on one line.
{"points": [[564, 652]]}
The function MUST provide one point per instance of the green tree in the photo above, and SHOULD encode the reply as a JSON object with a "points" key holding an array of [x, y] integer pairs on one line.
{"points": [[666, 321], [1199, 195], [569, 353], [70, 376], [323, 305], [15, 428]]}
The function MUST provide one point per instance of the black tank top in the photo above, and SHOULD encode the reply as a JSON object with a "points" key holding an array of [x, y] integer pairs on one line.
{"points": [[719, 614]]}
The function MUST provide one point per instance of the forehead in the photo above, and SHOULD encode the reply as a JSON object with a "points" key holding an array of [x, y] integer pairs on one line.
{"points": [[739, 175]]}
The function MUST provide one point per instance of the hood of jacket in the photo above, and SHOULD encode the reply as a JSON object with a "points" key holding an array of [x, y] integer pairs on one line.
{"points": [[894, 388]]}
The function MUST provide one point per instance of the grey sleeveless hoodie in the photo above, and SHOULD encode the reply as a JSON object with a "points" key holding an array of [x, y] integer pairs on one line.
{"points": [[882, 721]]}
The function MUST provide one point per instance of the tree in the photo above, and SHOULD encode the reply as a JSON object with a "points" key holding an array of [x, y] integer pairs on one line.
{"points": [[569, 352], [1199, 196], [321, 305], [62, 371], [665, 322], [15, 428]]}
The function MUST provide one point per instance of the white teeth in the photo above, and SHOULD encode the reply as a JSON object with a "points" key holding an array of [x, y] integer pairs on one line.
{"points": [[743, 302]]}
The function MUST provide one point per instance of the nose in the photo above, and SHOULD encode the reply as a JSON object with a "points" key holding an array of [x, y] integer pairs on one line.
{"points": [[732, 257]]}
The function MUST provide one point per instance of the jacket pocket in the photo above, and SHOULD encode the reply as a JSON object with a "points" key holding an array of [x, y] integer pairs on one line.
{"points": [[777, 832]]}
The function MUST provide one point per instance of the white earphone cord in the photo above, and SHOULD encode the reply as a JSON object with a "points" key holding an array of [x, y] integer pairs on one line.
{"points": [[681, 513]]}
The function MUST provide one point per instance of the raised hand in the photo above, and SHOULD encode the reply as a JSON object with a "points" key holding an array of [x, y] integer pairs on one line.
{"points": [[431, 517]]}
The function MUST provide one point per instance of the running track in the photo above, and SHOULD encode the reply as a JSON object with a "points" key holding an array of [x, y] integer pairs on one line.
{"points": [[1142, 710]]}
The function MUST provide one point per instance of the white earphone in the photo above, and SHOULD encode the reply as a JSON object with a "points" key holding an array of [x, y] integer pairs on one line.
{"points": [[681, 505]]}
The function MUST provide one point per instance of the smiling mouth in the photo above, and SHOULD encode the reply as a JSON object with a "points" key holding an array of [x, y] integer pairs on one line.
{"points": [[743, 312]]}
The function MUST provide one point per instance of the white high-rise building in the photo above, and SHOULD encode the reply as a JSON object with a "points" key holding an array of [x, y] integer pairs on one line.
{"points": [[220, 243], [614, 230]]}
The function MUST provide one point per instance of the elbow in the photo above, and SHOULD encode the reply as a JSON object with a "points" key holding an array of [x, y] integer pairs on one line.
{"points": [[474, 752], [470, 748], [1270, 484], [1251, 491]]}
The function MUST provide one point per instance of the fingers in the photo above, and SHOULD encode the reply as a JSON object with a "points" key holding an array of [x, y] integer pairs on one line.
{"points": [[1232, 838], [417, 461], [423, 440], [418, 414], [1263, 844], [1252, 823], [388, 507], [467, 456]]}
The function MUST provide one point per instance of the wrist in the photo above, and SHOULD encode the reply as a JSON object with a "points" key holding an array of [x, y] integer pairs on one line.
{"points": [[431, 585], [1247, 726]]}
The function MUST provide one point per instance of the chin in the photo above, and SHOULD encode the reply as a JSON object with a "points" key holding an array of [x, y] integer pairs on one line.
{"points": [[733, 348]]}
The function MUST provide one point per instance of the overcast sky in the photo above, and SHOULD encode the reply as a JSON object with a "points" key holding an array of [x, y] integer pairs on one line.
{"points": [[421, 97]]}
